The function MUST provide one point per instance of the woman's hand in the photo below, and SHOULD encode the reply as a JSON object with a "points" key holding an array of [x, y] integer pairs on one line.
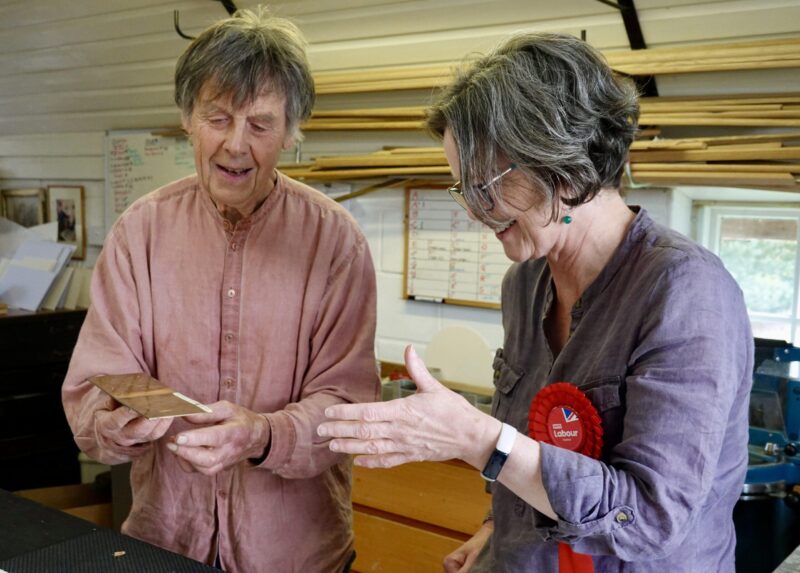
{"points": [[462, 559], [432, 425]]}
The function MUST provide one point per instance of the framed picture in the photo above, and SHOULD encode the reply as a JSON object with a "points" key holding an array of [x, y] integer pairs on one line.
{"points": [[65, 205], [25, 207]]}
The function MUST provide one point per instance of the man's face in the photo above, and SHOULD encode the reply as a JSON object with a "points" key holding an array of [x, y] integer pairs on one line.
{"points": [[236, 150]]}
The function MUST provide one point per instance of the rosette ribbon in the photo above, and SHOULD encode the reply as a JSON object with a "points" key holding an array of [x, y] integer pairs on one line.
{"points": [[562, 415]]}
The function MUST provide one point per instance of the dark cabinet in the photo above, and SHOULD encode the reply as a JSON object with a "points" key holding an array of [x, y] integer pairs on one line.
{"points": [[36, 445]]}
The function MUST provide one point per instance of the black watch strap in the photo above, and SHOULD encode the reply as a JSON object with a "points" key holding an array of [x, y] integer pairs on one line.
{"points": [[500, 454]]}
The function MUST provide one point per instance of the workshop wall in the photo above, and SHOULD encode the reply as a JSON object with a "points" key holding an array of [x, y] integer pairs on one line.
{"points": [[71, 71]]}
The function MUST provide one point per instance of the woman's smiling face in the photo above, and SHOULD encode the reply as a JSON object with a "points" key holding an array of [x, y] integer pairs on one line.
{"points": [[529, 233]]}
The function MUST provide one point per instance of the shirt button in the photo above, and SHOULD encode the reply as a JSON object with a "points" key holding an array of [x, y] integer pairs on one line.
{"points": [[621, 517], [234, 246], [222, 494], [229, 337], [231, 293], [228, 382]]}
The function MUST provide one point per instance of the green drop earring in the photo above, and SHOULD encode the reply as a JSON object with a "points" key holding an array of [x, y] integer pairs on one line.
{"points": [[566, 219]]}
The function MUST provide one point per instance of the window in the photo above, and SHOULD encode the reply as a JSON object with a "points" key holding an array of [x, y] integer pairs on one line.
{"points": [[759, 246]]}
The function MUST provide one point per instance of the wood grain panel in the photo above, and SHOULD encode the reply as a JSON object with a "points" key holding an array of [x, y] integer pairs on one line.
{"points": [[390, 546], [449, 495]]}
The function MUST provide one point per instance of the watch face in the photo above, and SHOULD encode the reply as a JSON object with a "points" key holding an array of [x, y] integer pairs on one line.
{"points": [[494, 465]]}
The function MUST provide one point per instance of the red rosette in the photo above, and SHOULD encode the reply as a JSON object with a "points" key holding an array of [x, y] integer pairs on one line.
{"points": [[563, 416]]}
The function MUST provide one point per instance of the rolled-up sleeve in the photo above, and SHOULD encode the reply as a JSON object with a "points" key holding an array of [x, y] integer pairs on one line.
{"points": [[342, 368], [682, 379]]}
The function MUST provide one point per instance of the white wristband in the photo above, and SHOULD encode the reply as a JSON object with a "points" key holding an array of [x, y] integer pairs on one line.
{"points": [[508, 435]]}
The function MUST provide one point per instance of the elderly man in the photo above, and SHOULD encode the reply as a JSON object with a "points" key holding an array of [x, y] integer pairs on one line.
{"points": [[249, 292]]}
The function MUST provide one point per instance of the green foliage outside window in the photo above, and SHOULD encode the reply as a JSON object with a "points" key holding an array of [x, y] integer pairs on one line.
{"points": [[764, 269]]}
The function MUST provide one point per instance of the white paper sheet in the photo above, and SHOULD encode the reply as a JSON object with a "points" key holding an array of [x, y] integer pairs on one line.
{"points": [[31, 272], [21, 287], [12, 235]]}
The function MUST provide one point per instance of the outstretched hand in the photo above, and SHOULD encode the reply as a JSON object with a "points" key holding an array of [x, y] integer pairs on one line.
{"points": [[231, 435], [433, 424]]}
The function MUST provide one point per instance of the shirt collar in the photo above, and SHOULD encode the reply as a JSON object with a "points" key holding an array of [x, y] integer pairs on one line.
{"points": [[253, 217]]}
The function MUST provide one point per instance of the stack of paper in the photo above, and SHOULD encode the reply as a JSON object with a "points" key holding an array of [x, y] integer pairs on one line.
{"points": [[33, 271], [76, 292]]}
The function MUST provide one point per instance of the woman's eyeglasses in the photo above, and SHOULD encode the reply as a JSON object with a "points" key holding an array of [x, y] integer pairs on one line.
{"points": [[458, 194]]}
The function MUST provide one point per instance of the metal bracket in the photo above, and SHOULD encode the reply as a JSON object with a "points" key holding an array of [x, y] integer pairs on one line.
{"points": [[229, 6], [633, 29]]}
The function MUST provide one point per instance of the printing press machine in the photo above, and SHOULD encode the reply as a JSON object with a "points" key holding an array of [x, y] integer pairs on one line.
{"points": [[767, 516]]}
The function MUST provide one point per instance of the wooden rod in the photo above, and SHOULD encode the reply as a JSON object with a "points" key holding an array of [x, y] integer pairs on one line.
{"points": [[677, 50], [736, 139], [413, 149], [679, 106], [668, 144], [786, 47], [405, 160], [366, 173], [675, 119], [707, 65], [388, 184], [382, 74], [387, 85], [408, 111], [779, 113], [716, 154], [723, 179], [719, 167], [357, 125], [789, 97], [686, 59]]}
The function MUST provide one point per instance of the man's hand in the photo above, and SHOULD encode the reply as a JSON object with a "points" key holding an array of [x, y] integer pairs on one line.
{"points": [[237, 434], [125, 429]]}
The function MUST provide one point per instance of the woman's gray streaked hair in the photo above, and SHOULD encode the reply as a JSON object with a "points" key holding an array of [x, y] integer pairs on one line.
{"points": [[242, 56], [548, 103]]}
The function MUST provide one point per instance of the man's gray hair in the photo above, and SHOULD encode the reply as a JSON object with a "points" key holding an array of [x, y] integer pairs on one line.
{"points": [[548, 103], [244, 55]]}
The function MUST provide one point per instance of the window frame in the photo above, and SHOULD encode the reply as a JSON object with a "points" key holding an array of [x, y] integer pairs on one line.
{"points": [[708, 218]]}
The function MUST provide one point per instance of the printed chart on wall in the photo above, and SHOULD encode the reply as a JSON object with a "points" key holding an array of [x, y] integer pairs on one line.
{"points": [[450, 258], [138, 162]]}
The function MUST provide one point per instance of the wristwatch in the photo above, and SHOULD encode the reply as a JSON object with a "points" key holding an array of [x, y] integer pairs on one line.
{"points": [[504, 444]]}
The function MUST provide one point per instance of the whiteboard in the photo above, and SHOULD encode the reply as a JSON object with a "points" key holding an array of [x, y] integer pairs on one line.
{"points": [[137, 162], [449, 257]]}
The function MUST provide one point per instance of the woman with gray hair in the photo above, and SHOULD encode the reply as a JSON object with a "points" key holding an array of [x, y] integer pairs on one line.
{"points": [[618, 435], [233, 286]]}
